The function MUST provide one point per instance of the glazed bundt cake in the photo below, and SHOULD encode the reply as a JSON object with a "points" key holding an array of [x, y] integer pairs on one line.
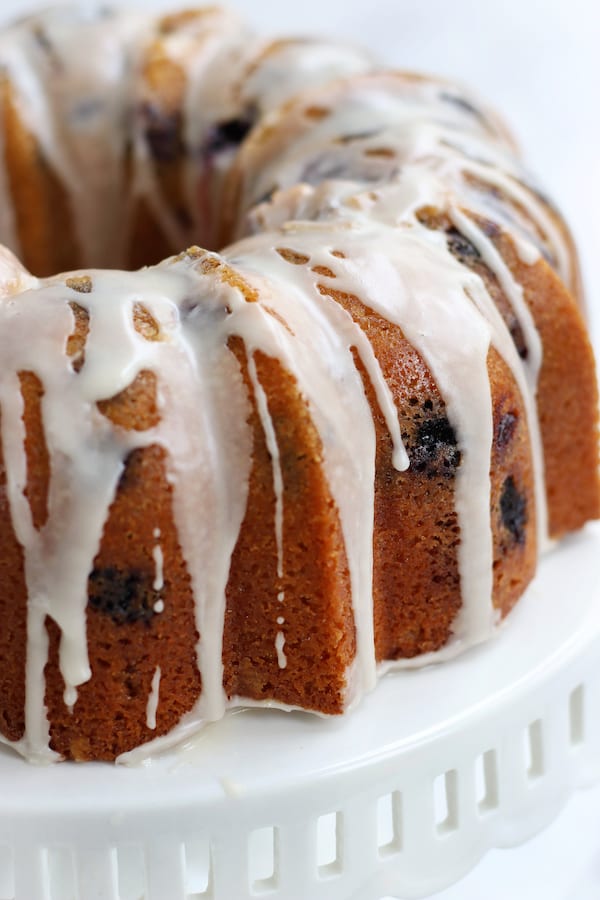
{"points": [[263, 475]]}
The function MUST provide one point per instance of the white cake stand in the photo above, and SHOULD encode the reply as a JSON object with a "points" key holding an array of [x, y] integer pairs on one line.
{"points": [[401, 798]]}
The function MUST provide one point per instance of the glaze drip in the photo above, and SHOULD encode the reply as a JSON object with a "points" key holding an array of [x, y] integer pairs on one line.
{"points": [[347, 163]]}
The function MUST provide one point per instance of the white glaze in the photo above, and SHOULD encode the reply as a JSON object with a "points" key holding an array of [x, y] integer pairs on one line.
{"points": [[80, 81], [392, 263], [153, 700], [159, 580], [416, 127], [279, 645], [286, 68], [68, 69], [410, 280]]}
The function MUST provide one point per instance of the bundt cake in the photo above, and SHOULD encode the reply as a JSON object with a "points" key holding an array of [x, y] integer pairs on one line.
{"points": [[263, 475]]}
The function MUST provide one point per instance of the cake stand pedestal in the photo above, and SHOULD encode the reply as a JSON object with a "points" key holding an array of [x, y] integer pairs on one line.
{"points": [[400, 798]]}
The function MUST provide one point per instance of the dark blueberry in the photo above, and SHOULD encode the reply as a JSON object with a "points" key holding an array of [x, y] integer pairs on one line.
{"points": [[489, 228], [226, 135], [163, 133], [358, 136], [86, 110], [461, 103], [547, 254], [516, 333], [322, 168], [124, 596], [461, 248], [465, 252], [43, 41], [41, 38], [201, 316], [506, 430], [328, 165], [462, 151], [435, 452], [513, 509], [264, 198]]}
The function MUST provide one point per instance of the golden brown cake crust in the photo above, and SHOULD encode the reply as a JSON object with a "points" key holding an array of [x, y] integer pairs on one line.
{"points": [[315, 591], [40, 201], [291, 632], [567, 395], [13, 609], [127, 638]]}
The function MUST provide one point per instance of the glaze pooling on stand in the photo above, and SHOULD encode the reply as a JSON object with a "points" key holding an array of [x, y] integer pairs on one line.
{"points": [[344, 191]]}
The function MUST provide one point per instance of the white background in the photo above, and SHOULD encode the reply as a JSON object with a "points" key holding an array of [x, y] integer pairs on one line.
{"points": [[539, 64]]}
